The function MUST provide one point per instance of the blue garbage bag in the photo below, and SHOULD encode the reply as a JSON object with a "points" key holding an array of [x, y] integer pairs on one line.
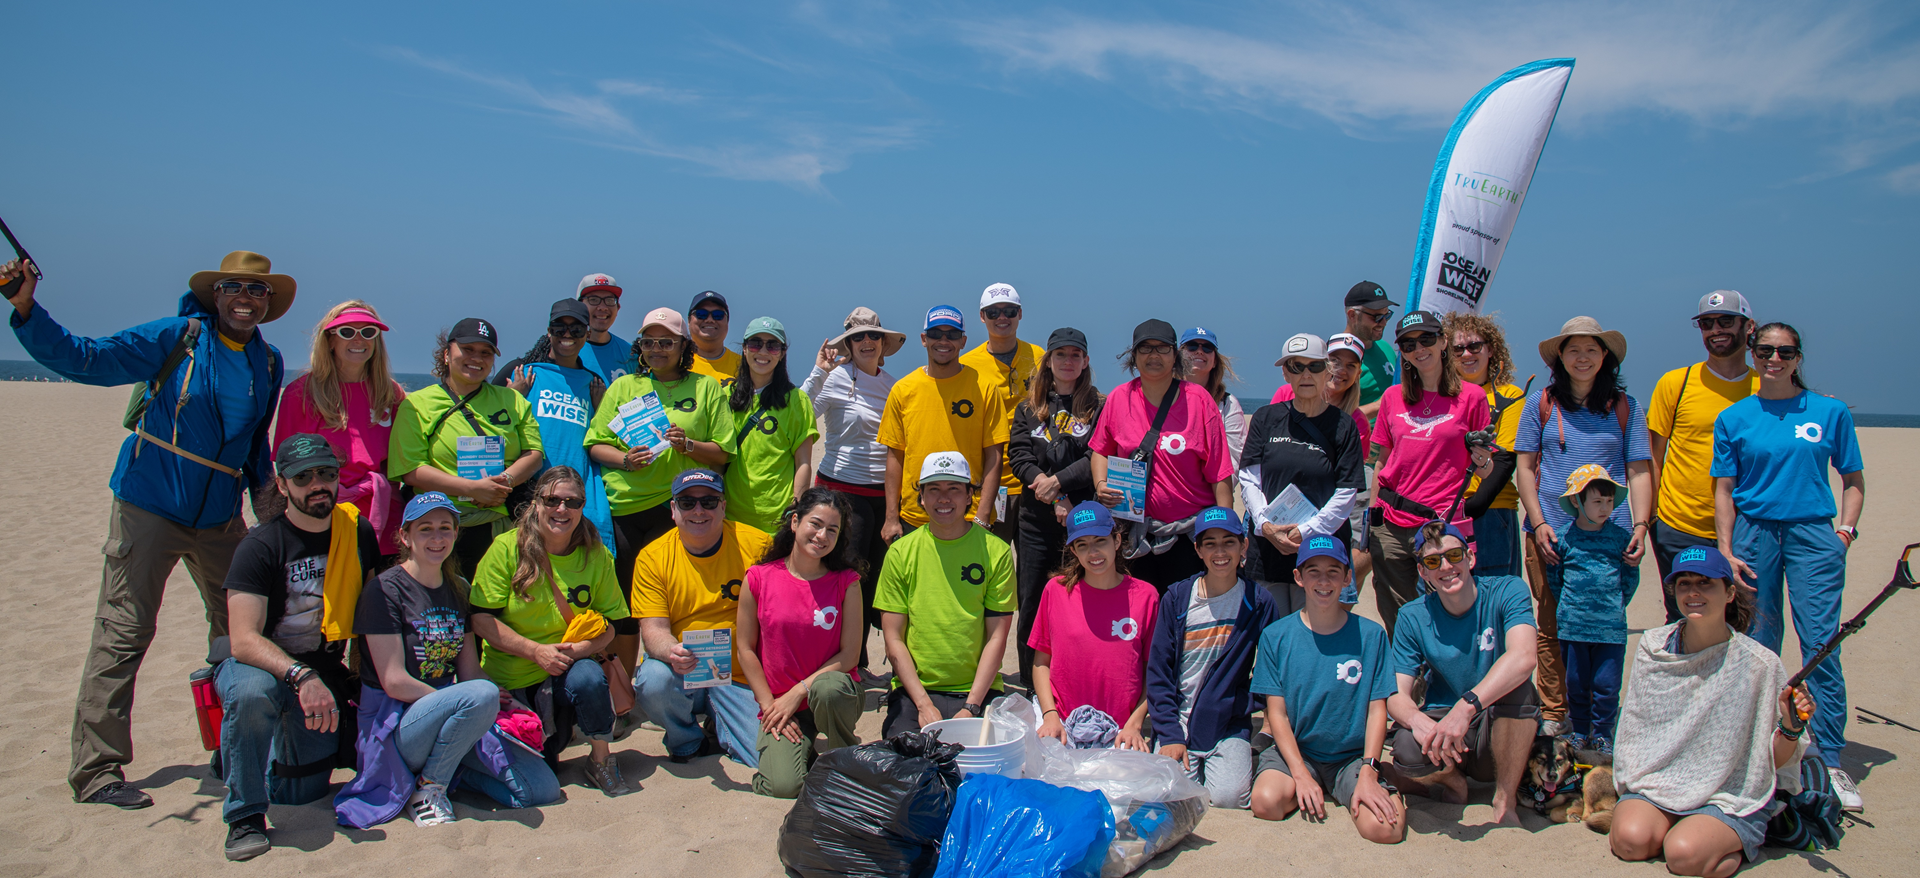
{"points": [[1007, 828]]}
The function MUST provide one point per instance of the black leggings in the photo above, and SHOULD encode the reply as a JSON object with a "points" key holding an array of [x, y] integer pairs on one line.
{"points": [[1038, 547], [863, 533], [631, 533], [471, 546], [1178, 562]]}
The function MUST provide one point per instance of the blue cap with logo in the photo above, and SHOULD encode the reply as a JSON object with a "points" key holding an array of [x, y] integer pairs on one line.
{"points": [[422, 504], [945, 315], [1420, 535], [698, 477], [1200, 333], [1218, 517], [1704, 561], [1088, 519], [1323, 547]]}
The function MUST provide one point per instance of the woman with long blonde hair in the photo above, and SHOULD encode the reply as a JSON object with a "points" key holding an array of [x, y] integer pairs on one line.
{"points": [[349, 396]]}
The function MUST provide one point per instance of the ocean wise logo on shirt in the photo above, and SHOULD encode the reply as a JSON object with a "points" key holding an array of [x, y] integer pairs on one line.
{"points": [[1486, 639], [687, 405], [1126, 629], [769, 425], [1173, 443], [1348, 672], [1809, 431], [963, 408], [825, 618], [731, 590], [973, 574]]}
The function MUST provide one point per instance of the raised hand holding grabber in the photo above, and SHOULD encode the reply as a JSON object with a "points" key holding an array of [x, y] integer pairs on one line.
{"points": [[12, 288], [1902, 578]]}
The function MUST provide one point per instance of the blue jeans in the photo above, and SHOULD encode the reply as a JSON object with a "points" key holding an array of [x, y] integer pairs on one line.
{"points": [[1496, 543], [1809, 559], [657, 690], [1593, 685], [263, 724], [527, 782], [439, 730]]}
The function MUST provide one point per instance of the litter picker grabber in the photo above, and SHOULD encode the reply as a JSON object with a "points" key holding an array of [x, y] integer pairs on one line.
{"points": [[1902, 578], [12, 287]]}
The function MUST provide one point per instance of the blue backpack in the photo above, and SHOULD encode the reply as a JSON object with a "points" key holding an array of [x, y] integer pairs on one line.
{"points": [[1810, 819]]}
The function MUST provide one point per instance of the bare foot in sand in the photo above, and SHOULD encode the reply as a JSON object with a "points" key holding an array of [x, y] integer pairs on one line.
{"points": [[1443, 786]]}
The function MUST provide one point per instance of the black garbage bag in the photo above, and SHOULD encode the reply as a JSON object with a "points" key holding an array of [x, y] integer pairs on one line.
{"points": [[873, 811]]}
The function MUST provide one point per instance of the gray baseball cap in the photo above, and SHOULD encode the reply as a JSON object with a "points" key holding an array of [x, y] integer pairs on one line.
{"points": [[1725, 302]]}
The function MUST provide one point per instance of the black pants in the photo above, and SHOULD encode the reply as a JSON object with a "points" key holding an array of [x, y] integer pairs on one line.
{"points": [[1669, 541], [902, 716], [471, 546], [863, 533], [631, 533], [1180, 561], [1038, 546]]}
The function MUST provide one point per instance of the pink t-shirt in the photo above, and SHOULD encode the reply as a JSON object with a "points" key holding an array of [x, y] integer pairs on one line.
{"points": [[1426, 449], [1285, 393], [361, 447], [1098, 639], [1192, 455], [799, 620]]}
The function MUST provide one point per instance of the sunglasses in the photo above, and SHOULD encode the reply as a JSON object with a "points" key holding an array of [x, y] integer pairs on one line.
{"points": [[998, 311], [1198, 347], [938, 334], [686, 504], [597, 301], [253, 288], [770, 345], [708, 313], [1786, 351], [866, 336], [1423, 340], [1717, 321], [350, 333], [552, 502], [658, 344], [324, 473], [1377, 316], [1159, 349], [1452, 556], [1296, 367], [1469, 347], [566, 330]]}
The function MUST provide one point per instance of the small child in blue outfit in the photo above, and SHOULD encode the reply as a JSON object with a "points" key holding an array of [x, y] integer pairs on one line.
{"points": [[1593, 584]]}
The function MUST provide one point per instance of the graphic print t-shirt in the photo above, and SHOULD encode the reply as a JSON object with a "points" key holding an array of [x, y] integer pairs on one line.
{"points": [[1098, 640], [1327, 680], [288, 566], [431, 622], [1426, 446], [1210, 624]]}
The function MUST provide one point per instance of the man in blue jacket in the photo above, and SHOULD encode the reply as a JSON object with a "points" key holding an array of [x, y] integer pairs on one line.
{"points": [[177, 484]]}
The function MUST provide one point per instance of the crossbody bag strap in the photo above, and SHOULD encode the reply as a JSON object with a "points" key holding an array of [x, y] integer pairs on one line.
{"points": [[1144, 453], [753, 421], [559, 600], [1312, 431], [459, 405]]}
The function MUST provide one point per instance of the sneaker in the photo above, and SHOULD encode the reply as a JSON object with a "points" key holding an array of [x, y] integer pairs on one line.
{"points": [[119, 795], [1601, 746], [1843, 786], [1553, 728], [247, 838], [606, 776], [430, 806], [1577, 741]]}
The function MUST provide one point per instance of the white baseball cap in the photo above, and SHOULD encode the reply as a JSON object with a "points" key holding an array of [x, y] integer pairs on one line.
{"points": [[999, 294], [1304, 346], [945, 466], [597, 282]]}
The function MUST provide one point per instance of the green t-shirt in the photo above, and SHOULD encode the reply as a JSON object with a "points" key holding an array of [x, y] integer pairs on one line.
{"points": [[760, 476], [499, 411], [1377, 370], [695, 404], [585, 578], [946, 588]]}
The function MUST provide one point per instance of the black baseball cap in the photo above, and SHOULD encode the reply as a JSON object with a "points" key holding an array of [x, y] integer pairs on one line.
{"points": [[473, 330], [1369, 295], [1067, 336], [1155, 330], [301, 452], [709, 296], [1417, 322], [568, 308]]}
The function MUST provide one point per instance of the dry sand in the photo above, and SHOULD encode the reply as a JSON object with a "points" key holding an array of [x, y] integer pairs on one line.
{"points": [[701, 819]]}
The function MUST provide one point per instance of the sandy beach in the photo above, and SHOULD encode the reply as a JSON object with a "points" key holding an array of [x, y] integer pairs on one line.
{"points": [[701, 819]]}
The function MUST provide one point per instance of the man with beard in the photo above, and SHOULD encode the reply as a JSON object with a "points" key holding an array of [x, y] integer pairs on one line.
{"points": [[290, 603], [1680, 420]]}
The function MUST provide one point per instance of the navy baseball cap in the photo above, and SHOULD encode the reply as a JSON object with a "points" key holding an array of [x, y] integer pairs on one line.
{"points": [[1702, 560], [1089, 519], [698, 477], [705, 296], [1218, 517], [945, 315], [1323, 547], [422, 504], [1200, 333], [1420, 535]]}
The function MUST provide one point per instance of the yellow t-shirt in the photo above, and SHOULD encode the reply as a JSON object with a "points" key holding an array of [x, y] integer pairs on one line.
{"points": [[723, 368], [1686, 419], [1014, 379], [924, 416], [1506, 430], [696, 593]]}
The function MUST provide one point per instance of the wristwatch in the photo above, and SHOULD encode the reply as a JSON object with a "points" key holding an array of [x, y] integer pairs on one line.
{"points": [[1474, 700], [1370, 762], [1853, 533], [977, 710]]}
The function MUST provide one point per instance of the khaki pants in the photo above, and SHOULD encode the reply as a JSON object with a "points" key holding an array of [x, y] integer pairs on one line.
{"points": [[1396, 579], [141, 551], [833, 709], [1550, 671]]}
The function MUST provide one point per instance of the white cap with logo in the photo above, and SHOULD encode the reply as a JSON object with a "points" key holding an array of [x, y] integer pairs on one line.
{"points": [[1725, 302], [999, 294], [945, 466], [597, 282], [1304, 346]]}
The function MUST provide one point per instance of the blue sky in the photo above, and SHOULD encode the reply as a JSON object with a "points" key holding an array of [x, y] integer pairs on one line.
{"points": [[1237, 166]]}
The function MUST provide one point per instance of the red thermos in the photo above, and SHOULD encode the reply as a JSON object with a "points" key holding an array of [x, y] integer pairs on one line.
{"points": [[206, 707]]}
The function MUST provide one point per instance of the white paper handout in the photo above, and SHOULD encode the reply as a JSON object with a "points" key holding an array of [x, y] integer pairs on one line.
{"points": [[1129, 477], [1291, 507], [712, 650], [642, 423]]}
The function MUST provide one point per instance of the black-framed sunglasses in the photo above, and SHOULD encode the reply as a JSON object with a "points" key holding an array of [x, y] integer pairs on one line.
{"points": [[770, 345], [253, 288], [1454, 555], [1198, 347], [324, 473], [1787, 352], [658, 344], [866, 336], [1377, 316], [566, 330], [708, 313], [1423, 340], [686, 504], [945, 334], [597, 301], [998, 311], [552, 502], [1301, 367], [1469, 347], [1717, 321], [350, 333]]}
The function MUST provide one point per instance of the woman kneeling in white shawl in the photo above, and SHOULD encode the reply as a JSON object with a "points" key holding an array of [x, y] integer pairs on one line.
{"points": [[1706, 724]]}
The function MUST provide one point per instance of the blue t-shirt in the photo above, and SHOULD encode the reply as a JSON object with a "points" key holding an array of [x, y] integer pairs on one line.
{"points": [[1593, 584], [562, 406], [611, 360], [233, 384], [1777, 452], [1460, 649], [1592, 437], [1327, 680]]}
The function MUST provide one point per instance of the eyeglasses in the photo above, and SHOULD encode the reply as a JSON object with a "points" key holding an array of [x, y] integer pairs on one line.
{"points": [[1469, 347], [998, 311], [1156, 349], [1423, 340], [1296, 367], [686, 504], [1717, 321], [658, 344], [1376, 316], [866, 336], [941, 334], [770, 345], [253, 288], [566, 330], [1786, 351], [708, 314], [325, 474], [1453, 556], [1198, 347], [552, 502], [350, 333], [597, 301]]}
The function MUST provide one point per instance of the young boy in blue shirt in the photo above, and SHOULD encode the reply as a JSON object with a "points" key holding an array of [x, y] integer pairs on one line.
{"points": [[1592, 585], [1325, 676]]}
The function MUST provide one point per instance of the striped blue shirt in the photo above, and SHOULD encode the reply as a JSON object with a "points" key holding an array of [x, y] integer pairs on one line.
{"points": [[1592, 437]]}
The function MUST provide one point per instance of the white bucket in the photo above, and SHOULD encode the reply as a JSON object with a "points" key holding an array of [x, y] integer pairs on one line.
{"points": [[1007, 758]]}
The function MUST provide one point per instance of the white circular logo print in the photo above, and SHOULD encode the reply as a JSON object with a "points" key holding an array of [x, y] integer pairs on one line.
{"points": [[1486, 640], [1348, 672], [826, 617], [1173, 443], [1809, 431], [1126, 629]]}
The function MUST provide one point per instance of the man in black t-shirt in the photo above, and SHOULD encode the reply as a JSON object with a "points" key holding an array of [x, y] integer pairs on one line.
{"points": [[281, 688]]}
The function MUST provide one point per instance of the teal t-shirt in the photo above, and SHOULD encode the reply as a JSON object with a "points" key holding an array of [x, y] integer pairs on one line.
{"points": [[1377, 370], [1328, 681], [1459, 649]]}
